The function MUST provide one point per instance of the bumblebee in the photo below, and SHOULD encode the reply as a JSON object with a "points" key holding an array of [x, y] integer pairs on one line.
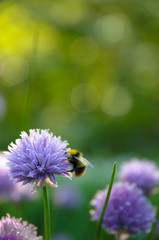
{"points": [[79, 162]]}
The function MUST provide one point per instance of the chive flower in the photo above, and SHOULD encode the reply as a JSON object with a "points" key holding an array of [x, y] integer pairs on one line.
{"points": [[15, 229], [36, 158], [129, 212], [143, 173], [61, 236]]}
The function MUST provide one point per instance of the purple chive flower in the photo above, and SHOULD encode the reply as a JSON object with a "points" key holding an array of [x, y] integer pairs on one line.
{"points": [[15, 229], [141, 172], [128, 212], [68, 197], [37, 157], [62, 236]]}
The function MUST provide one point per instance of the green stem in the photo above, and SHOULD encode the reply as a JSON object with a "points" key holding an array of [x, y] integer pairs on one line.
{"points": [[106, 202], [46, 213]]}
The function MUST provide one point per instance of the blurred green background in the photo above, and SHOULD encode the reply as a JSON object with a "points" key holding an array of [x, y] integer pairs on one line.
{"points": [[93, 72], [95, 79]]}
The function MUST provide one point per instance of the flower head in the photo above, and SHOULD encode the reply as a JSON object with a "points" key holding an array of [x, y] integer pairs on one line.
{"points": [[141, 172], [128, 212], [36, 157], [15, 229]]}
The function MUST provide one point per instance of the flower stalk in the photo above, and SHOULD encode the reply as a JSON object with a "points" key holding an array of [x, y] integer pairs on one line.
{"points": [[46, 213], [106, 202]]}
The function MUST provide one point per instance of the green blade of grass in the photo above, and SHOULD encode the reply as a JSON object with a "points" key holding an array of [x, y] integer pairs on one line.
{"points": [[106, 202], [27, 100]]}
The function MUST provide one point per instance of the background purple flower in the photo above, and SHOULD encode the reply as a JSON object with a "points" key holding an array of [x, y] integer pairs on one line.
{"points": [[62, 236], [128, 211], [6, 186], [15, 229], [143, 173], [36, 157], [68, 197], [10, 191]]}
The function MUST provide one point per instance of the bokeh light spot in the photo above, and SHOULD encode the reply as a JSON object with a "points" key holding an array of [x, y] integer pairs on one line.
{"points": [[48, 39], [113, 28], [144, 59], [15, 71], [153, 6], [117, 101], [16, 29], [144, 56], [84, 50], [68, 12], [85, 97]]}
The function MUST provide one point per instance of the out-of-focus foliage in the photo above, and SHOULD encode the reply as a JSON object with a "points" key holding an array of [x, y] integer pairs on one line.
{"points": [[96, 80]]}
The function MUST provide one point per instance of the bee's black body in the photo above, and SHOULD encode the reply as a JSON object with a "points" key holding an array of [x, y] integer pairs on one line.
{"points": [[75, 159]]}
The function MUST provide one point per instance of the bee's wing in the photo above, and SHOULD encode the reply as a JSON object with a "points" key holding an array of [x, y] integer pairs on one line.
{"points": [[89, 164], [84, 161]]}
